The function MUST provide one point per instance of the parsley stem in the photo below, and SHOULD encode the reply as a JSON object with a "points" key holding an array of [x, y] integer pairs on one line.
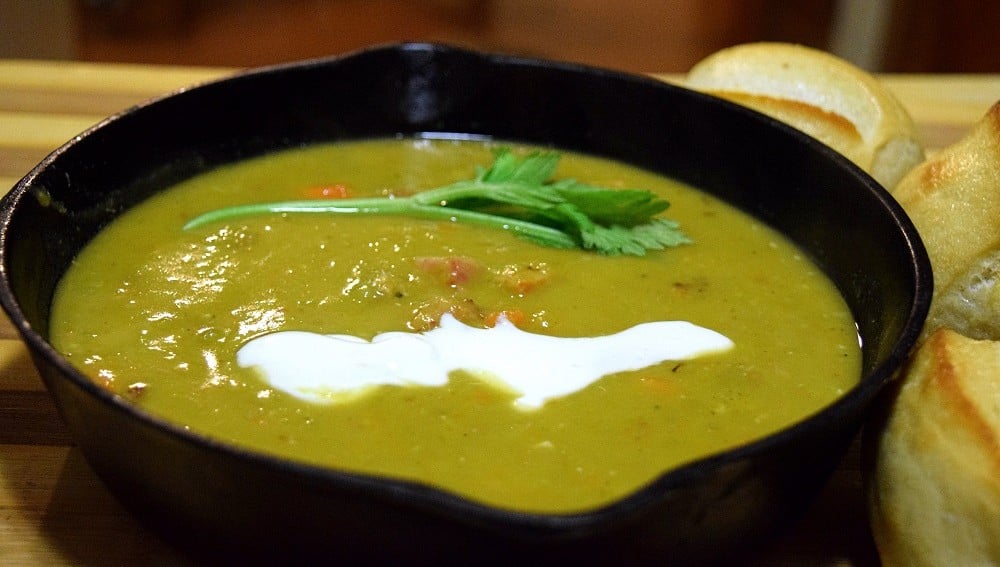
{"points": [[407, 206], [563, 213]]}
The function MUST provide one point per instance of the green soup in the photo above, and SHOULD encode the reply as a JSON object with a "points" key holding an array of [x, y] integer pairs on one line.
{"points": [[157, 314]]}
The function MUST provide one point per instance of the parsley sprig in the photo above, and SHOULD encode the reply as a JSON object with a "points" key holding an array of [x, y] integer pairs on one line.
{"points": [[515, 194]]}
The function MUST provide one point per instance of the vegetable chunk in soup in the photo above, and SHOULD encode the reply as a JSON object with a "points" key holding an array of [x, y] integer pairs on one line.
{"points": [[162, 315]]}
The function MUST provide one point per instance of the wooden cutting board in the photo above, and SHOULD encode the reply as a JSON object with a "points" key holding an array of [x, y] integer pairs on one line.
{"points": [[54, 511]]}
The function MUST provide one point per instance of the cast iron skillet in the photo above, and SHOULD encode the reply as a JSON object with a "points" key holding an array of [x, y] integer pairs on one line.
{"points": [[217, 500]]}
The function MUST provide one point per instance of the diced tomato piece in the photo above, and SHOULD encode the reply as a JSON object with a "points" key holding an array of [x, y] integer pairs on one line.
{"points": [[452, 271]]}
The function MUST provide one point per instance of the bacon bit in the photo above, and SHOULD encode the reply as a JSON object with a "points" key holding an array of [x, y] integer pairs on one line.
{"points": [[452, 271], [516, 316], [335, 191], [523, 278]]}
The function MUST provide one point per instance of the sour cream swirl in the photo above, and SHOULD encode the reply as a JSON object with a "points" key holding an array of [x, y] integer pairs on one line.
{"points": [[325, 369]]}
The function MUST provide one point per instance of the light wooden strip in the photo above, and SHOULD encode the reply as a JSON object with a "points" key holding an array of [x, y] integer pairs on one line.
{"points": [[24, 463], [7, 182], [16, 162], [946, 99], [935, 137], [7, 330], [69, 76], [88, 88], [28, 415], [26, 138], [945, 107], [41, 130], [102, 104], [17, 372], [55, 511], [31, 418]]}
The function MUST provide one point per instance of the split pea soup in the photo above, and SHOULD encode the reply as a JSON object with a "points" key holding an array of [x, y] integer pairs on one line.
{"points": [[463, 356]]}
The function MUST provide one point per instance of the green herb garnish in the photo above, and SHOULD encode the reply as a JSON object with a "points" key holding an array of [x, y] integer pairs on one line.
{"points": [[515, 194]]}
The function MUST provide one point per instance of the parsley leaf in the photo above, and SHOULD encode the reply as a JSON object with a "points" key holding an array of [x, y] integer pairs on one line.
{"points": [[515, 194]]}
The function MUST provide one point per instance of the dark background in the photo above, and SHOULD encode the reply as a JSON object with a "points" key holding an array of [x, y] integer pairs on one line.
{"points": [[938, 36]]}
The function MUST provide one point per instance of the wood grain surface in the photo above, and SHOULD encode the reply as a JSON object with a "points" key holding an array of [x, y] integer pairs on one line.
{"points": [[54, 511]]}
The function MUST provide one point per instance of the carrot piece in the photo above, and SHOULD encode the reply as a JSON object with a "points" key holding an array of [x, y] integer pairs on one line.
{"points": [[515, 316]]}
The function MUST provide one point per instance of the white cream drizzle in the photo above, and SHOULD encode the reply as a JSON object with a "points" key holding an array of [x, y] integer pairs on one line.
{"points": [[324, 369]]}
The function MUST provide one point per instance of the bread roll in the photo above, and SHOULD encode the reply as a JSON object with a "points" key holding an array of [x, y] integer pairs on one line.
{"points": [[935, 486], [824, 96], [934, 483], [954, 201]]}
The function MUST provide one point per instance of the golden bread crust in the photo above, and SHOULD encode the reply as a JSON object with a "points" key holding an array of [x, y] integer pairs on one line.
{"points": [[953, 199], [780, 78], [935, 487], [828, 127]]}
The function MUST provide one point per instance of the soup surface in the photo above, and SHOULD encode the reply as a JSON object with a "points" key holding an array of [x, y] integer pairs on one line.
{"points": [[158, 314]]}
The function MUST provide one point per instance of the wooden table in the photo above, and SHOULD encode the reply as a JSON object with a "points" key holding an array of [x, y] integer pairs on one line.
{"points": [[54, 511]]}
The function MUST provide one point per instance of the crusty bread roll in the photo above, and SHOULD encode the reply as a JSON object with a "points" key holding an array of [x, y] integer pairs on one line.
{"points": [[934, 480], [934, 490], [825, 96], [954, 201]]}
